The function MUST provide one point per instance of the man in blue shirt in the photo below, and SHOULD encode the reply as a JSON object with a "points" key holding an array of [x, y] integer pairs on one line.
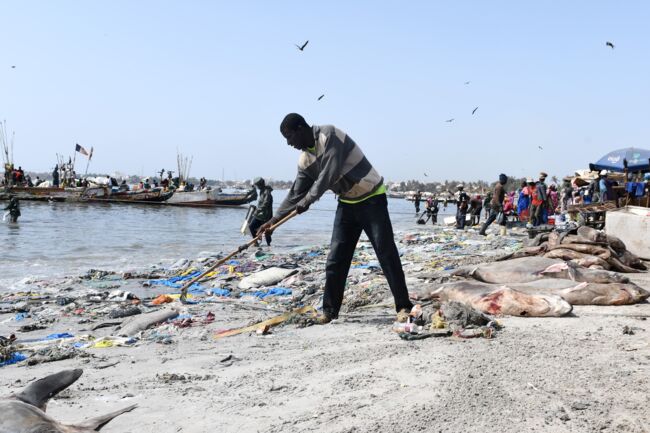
{"points": [[602, 186]]}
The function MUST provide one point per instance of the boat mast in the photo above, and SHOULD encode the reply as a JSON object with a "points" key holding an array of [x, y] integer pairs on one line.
{"points": [[184, 164], [7, 146]]}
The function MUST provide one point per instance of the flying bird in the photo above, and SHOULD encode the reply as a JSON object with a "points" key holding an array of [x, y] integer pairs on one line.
{"points": [[449, 120], [540, 148], [474, 111], [426, 175], [321, 96], [13, 67], [301, 48], [609, 44], [467, 82]]}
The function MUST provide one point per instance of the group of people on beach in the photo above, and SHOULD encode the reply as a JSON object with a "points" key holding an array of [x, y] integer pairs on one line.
{"points": [[532, 203], [431, 208]]}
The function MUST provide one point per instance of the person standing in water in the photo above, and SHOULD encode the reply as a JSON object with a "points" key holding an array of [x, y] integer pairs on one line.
{"points": [[14, 208], [416, 200], [264, 210]]}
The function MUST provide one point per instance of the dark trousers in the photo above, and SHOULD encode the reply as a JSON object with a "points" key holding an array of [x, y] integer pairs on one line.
{"points": [[255, 225], [370, 216], [536, 214], [460, 218], [493, 216]]}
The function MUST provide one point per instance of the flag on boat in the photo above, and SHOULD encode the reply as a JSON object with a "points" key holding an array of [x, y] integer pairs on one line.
{"points": [[91, 153], [79, 148]]}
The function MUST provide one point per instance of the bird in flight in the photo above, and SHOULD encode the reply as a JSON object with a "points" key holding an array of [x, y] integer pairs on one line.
{"points": [[467, 82], [13, 67], [426, 175], [321, 96], [449, 120], [474, 110], [609, 44], [301, 48], [540, 148]]}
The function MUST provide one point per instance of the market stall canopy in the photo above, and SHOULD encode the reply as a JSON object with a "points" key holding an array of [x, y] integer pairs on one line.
{"points": [[637, 160]]}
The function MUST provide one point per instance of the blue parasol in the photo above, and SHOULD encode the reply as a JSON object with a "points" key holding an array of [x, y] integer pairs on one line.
{"points": [[637, 160]]}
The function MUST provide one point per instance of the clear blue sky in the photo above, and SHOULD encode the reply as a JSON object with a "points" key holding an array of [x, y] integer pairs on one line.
{"points": [[138, 79]]}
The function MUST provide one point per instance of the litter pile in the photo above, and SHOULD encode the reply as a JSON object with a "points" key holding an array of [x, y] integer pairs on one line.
{"points": [[449, 319], [82, 316]]}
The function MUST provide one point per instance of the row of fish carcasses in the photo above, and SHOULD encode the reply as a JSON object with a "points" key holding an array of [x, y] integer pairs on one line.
{"points": [[548, 279]]}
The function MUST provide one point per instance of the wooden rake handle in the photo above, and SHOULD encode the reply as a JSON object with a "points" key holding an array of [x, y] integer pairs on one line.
{"points": [[220, 262]]}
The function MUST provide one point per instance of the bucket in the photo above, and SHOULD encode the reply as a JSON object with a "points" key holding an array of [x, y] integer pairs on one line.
{"points": [[551, 220]]}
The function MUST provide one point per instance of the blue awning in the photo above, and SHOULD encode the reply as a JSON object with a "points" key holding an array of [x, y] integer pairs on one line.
{"points": [[637, 160]]}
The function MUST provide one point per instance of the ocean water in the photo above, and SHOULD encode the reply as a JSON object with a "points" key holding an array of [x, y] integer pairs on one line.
{"points": [[58, 239]]}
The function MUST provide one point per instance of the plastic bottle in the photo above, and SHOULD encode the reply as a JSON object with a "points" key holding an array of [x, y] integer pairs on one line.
{"points": [[411, 328]]}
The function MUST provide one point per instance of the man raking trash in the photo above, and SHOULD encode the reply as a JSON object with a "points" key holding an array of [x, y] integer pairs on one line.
{"points": [[331, 160]]}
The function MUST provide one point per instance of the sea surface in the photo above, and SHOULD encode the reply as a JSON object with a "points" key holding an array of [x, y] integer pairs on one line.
{"points": [[58, 239]]}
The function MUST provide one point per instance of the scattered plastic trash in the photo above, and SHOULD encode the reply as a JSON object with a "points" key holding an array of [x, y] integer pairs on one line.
{"points": [[58, 336], [15, 358], [106, 342], [274, 291], [162, 299], [175, 282], [287, 285], [219, 292]]}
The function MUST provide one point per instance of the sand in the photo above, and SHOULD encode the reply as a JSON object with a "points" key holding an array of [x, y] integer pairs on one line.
{"points": [[574, 374], [580, 373]]}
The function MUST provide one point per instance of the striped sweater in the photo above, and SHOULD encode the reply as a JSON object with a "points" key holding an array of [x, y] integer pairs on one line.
{"points": [[336, 163]]}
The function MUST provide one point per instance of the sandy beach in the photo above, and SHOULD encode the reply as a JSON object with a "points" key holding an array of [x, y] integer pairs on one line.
{"points": [[579, 373]]}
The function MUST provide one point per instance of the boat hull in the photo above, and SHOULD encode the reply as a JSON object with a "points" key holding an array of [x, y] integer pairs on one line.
{"points": [[149, 196], [52, 193], [209, 198]]}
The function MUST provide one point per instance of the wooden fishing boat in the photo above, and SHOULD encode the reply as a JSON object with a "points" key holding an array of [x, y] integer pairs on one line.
{"points": [[145, 196], [209, 198], [53, 193]]}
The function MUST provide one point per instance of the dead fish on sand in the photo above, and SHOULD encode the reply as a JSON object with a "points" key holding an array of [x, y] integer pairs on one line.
{"points": [[587, 293], [143, 321], [527, 269], [572, 292], [25, 412], [502, 300]]}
